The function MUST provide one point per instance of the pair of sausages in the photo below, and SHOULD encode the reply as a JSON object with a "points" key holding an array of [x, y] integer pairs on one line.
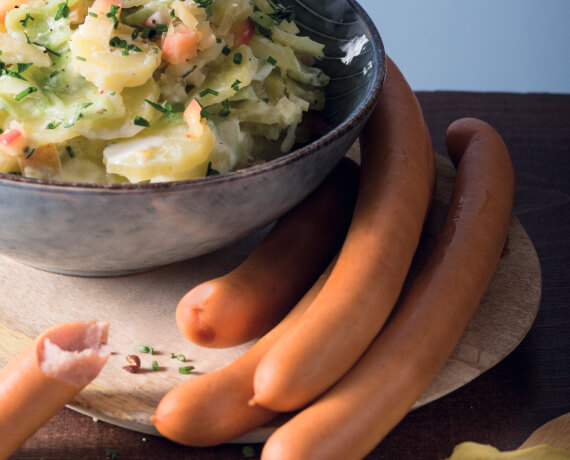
{"points": [[350, 419], [351, 410]]}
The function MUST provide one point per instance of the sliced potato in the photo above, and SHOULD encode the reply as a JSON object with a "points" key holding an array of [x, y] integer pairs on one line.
{"points": [[160, 155], [110, 58]]}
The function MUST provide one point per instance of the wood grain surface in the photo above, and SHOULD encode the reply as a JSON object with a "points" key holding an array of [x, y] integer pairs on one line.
{"points": [[502, 406]]}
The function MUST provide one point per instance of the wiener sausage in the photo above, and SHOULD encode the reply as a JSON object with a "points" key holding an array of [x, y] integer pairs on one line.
{"points": [[46, 375], [245, 303], [214, 408], [355, 415], [396, 185]]}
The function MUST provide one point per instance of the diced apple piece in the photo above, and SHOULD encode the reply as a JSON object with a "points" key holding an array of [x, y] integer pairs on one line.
{"points": [[180, 46]]}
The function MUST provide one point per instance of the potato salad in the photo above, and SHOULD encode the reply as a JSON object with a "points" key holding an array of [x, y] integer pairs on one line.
{"points": [[113, 91]]}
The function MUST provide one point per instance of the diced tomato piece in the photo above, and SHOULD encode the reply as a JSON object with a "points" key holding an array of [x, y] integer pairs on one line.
{"points": [[180, 46], [193, 116], [243, 32]]}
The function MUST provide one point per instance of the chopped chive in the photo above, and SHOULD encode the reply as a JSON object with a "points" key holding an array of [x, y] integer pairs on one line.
{"points": [[23, 67], [211, 171], [156, 106], [225, 108], [92, 14], [205, 114], [207, 91], [145, 349], [161, 28], [238, 58], [172, 14], [81, 58], [53, 124], [113, 15], [24, 21], [155, 49], [48, 50], [116, 42], [69, 151], [271, 60], [172, 355], [13, 74], [146, 32], [235, 85], [63, 10], [29, 90], [140, 121], [181, 358], [226, 50], [28, 41], [204, 3], [155, 366], [185, 369], [29, 152]]}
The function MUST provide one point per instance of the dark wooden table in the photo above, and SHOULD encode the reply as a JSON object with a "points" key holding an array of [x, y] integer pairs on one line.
{"points": [[501, 407]]}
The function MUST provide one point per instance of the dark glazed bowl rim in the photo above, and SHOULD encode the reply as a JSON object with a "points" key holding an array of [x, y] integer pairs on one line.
{"points": [[360, 113]]}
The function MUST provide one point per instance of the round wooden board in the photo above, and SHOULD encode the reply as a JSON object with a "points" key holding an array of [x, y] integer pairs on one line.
{"points": [[140, 309]]}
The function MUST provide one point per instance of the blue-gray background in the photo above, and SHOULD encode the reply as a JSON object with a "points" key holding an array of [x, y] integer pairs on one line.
{"points": [[478, 45]]}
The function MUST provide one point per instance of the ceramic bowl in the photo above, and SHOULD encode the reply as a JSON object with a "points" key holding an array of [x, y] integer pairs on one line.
{"points": [[106, 230]]}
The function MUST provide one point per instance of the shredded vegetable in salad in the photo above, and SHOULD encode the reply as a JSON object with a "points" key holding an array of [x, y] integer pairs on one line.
{"points": [[151, 90]]}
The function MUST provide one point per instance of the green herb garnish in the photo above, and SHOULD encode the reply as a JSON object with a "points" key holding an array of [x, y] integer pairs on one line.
{"points": [[23, 67], [24, 21], [29, 90], [155, 366], [211, 171], [247, 452], [207, 91], [81, 58], [77, 115], [145, 349], [62, 10], [113, 15], [272, 60], [29, 152], [235, 85], [225, 108], [53, 124], [69, 151], [161, 28], [238, 58], [185, 369], [226, 50], [50, 51]]}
